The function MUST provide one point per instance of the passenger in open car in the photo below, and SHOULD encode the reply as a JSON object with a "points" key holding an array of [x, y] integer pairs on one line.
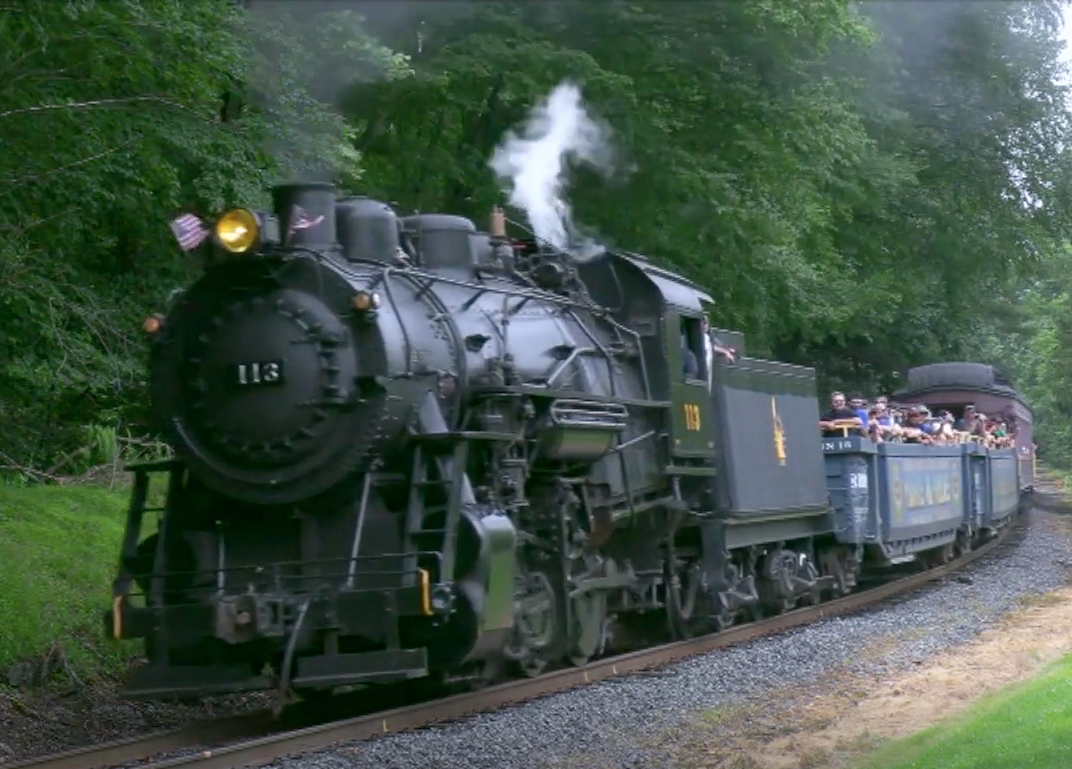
{"points": [[882, 413], [944, 429], [859, 404], [840, 414], [919, 427], [882, 425], [970, 423]]}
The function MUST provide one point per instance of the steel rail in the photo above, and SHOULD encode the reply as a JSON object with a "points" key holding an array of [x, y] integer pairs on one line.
{"points": [[257, 745], [131, 749]]}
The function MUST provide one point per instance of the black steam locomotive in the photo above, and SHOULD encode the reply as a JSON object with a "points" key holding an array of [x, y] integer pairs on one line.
{"points": [[406, 448]]}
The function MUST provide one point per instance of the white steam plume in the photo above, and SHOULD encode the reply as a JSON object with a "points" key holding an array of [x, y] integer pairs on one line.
{"points": [[532, 167]]}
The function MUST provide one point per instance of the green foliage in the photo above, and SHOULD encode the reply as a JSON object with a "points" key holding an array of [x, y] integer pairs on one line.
{"points": [[58, 546], [861, 187], [1029, 334], [116, 115], [840, 177]]}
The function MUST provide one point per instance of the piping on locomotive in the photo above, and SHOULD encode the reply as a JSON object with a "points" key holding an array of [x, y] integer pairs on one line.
{"points": [[406, 448]]}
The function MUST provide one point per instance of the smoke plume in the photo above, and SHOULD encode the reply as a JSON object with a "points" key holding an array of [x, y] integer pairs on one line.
{"points": [[532, 167]]}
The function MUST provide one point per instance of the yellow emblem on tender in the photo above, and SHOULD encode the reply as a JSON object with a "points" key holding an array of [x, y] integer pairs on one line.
{"points": [[779, 432]]}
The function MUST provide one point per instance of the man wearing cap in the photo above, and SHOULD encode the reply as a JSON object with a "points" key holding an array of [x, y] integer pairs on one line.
{"points": [[919, 429]]}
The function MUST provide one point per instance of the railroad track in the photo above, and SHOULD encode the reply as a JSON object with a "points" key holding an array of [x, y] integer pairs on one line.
{"points": [[256, 739]]}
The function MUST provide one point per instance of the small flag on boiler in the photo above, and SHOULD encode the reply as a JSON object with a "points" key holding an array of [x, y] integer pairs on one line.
{"points": [[300, 220], [189, 231]]}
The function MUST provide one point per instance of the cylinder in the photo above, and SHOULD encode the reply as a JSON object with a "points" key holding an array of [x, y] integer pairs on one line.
{"points": [[306, 213]]}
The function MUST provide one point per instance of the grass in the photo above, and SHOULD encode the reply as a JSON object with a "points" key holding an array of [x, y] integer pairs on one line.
{"points": [[58, 551], [1025, 725]]}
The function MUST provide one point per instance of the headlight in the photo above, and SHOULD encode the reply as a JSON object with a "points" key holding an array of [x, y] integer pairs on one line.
{"points": [[363, 301], [237, 231], [152, 324]]}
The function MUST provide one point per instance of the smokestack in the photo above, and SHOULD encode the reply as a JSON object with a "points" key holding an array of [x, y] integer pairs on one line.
{"points": [[306, 213]]}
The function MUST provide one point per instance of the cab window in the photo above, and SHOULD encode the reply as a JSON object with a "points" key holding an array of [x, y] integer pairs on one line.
{"points": [[693, 354]]}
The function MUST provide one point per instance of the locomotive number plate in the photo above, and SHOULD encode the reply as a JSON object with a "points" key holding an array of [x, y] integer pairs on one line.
{"points": [[259, 374], [692, 417]]}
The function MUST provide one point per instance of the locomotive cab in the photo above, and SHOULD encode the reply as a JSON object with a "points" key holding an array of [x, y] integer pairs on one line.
{"points": [[692, 423], [668, 313]]}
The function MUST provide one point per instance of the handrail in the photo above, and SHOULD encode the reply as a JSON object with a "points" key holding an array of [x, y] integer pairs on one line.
{"points": [[844, 425]]}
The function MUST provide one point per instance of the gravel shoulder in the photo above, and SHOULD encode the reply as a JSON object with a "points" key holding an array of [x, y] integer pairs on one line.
{"points": [[861, 714], [816, 697]]}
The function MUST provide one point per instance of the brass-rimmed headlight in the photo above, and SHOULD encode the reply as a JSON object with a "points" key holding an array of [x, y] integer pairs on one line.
{"points": [[237, 231]]}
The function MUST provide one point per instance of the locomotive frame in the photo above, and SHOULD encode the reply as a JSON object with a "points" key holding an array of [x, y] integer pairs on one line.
{"points": [[409, 491]]}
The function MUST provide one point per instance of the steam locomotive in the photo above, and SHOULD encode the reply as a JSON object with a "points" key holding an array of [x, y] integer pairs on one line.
{"points": [[406, 449]]}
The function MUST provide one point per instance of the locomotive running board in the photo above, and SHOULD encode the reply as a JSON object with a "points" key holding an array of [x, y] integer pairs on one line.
{"points": [[321, 672], [374, 667], [182, 681]]}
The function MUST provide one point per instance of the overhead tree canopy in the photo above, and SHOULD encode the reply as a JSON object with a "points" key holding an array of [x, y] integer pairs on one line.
{"points": [[861, 187]]}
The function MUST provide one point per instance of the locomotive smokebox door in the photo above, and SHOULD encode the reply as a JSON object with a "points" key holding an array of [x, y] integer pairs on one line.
{"points": [[690, 397]]}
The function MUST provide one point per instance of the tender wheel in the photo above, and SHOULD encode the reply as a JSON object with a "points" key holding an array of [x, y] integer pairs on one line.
{"points": [[835, 565], [690, 610]]}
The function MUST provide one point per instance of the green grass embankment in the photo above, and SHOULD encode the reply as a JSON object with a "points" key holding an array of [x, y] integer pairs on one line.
{"points": [[1027, 725], [58, 551]]}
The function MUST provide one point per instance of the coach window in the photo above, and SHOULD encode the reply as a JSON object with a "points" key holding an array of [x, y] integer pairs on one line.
{"points": [[692, 350]]}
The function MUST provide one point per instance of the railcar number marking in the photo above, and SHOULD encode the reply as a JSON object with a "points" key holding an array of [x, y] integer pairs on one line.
{"points": [[267, 372], [692, 417]]}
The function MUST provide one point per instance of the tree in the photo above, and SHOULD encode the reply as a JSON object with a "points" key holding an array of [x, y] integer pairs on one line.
{"points": [[861, 187], [110, 125]]}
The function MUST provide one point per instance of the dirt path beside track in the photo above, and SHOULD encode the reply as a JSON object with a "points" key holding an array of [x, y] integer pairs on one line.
{"points": [[840, 725]]}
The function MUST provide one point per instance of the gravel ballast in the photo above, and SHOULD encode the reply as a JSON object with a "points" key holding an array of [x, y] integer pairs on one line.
{"points": [[630, 722]]}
